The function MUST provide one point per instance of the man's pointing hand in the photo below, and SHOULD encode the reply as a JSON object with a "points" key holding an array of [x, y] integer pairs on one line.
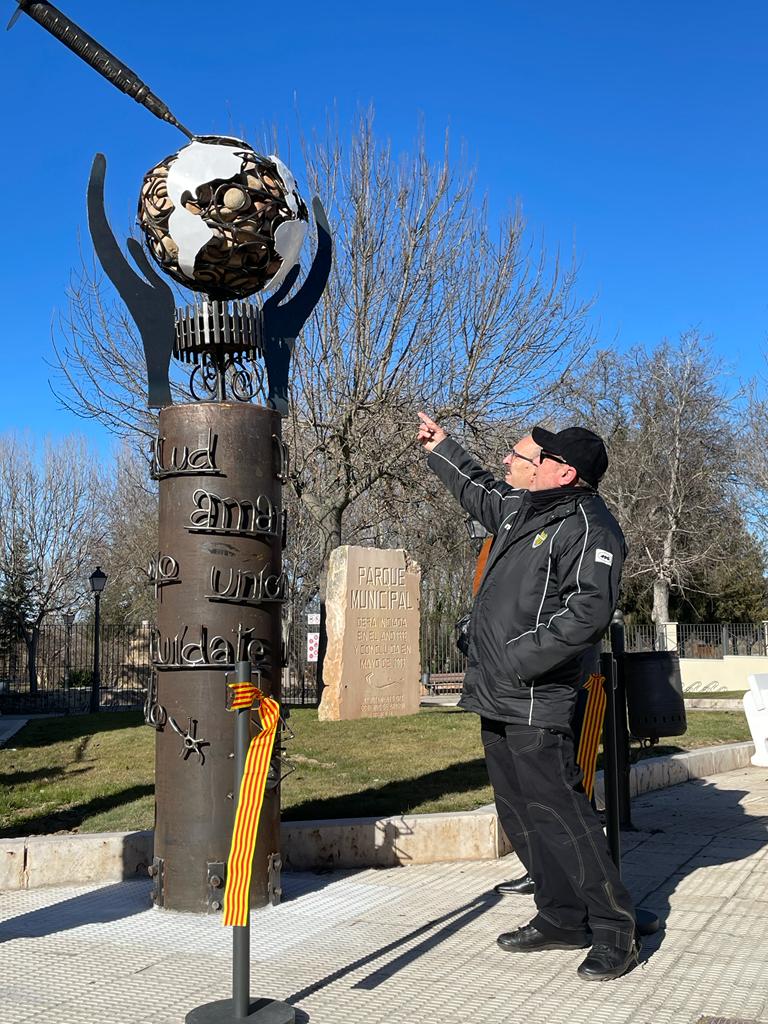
{"points": [[430, 434]]}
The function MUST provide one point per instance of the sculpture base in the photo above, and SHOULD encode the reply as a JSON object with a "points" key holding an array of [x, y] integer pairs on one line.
{"points": [[261, 1011]]}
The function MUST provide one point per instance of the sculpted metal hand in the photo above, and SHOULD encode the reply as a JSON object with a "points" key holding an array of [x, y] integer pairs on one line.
{"points": [[283, 321], [151, 305]]}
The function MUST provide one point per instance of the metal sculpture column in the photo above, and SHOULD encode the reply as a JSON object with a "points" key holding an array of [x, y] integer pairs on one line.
{"points": [[221, 463], [219, 582], [226, 222]]}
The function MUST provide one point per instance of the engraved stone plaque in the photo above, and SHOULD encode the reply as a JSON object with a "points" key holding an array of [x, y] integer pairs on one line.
{"points": [[372, 667]]}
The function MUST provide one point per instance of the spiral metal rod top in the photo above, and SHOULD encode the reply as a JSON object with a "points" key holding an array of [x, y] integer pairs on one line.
{"points": [[97, 56]]}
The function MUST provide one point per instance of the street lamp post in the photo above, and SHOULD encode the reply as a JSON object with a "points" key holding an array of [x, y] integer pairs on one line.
{"points": [[69, 619], [98, 581]]}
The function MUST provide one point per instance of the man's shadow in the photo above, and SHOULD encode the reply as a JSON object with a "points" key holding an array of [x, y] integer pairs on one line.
{"points": [[675, 836], [103, 905]]}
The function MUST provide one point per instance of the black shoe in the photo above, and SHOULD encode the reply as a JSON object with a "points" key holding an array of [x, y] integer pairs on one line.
{"points": [[607, 962], [516, 887], [528, 939]]}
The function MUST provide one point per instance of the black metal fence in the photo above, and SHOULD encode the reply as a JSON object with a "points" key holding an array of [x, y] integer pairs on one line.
{"points": [[64, 659], [63, 668], [443, 664], [299, 686]]}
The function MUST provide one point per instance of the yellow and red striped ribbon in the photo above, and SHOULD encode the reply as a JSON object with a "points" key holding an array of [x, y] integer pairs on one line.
{"points": [[591, 728], [249, 803]]}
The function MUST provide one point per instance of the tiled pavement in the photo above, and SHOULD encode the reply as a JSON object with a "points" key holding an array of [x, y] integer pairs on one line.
{"points": [[418, 943]]}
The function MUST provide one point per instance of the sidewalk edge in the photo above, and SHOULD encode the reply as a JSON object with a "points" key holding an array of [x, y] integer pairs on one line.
{"points": [[36, 861]]}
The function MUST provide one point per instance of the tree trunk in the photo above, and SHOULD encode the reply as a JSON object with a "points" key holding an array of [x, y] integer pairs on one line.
{"points": [[32, 639], [660, 614], [333, 540]]}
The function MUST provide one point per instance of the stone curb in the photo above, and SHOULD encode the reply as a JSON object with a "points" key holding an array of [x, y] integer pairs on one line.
{"points": [[341, 843], [714, 703]]}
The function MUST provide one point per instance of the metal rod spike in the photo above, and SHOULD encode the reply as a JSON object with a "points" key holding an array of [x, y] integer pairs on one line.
{"points": [[97, 56]]}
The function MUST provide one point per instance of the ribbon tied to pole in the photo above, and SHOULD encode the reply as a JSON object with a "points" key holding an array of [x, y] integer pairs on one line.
{"points": [[588, 726], [250, 801]]}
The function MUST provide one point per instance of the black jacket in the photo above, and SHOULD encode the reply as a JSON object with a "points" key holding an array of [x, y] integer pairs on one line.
{"points": [[546, 597]]}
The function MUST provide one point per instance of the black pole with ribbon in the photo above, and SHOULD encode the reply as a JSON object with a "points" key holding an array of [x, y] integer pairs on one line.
{"points": [[240, 1007]]}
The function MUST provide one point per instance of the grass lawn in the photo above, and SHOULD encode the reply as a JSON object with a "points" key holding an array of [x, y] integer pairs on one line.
{"points": [[715, 695], [95, 773]]}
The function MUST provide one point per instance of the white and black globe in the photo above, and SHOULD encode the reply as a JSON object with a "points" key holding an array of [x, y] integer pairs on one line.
{"points": [[221, 219]]}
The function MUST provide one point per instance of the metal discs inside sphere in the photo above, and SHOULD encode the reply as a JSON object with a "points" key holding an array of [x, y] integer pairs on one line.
{"points": [[222, 219]]}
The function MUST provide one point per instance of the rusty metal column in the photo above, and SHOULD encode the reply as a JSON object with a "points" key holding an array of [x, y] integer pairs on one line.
{"points": [[219, 586]]}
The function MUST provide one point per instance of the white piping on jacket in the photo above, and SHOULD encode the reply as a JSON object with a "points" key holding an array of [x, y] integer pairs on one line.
{"points": [[541, 604], [564, 609], [492, 490], [549, 570], [509, 516]]}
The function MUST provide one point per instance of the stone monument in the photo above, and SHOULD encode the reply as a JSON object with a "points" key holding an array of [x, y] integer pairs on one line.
{"points": [[372, 667]]}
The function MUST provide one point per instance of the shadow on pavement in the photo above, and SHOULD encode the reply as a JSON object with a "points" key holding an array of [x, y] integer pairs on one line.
{"points": [[712, 828], [433, 932], [110, 903]]}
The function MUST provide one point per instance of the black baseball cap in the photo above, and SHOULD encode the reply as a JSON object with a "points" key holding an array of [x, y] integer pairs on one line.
{"points": [[579, 447]]}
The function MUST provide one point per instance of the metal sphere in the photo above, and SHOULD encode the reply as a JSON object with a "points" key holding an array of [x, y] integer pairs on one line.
{"points": [[221, 219]]}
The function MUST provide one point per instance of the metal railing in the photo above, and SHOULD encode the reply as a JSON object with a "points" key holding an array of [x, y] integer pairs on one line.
{"points": [[64, 659], [440, 657], [63, 668]]}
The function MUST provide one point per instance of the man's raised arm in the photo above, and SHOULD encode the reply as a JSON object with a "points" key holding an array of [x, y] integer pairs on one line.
{"points": [[480, 494]]}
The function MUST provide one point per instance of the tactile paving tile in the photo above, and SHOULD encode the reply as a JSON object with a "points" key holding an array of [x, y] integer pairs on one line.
{"points": [[418, 943]]}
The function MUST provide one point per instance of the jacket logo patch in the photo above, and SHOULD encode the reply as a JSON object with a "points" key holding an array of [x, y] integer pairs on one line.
{"points": [[539, 539], [603, 556]]}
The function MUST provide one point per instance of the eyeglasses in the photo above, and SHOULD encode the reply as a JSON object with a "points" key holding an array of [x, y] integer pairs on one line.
{"points": [[517, 455], [555, 458]]}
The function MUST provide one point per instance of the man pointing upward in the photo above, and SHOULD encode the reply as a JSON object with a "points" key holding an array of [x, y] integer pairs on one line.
{"points": [[546, 597]]}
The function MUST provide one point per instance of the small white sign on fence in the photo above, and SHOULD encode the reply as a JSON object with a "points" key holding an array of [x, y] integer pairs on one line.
{"points": [[313, 618]]}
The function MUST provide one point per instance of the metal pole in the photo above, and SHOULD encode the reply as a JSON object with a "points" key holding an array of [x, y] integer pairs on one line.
{"points": [[618, 649], [96, 678], [68, 657], [240, 1007], [647, 921], [610, 759], [241, 937]]}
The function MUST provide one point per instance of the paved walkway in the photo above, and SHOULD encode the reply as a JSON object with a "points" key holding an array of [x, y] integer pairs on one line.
{"points": [[9, 726], [409, 944]]}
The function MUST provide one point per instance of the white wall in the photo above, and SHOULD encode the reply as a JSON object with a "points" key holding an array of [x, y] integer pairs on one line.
{"points": [[712, 674]]}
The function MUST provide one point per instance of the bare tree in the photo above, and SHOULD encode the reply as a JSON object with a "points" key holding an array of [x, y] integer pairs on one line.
{"points": [[755, 440], [674, 462], [50, 530], [131, 541], [427, 305]]}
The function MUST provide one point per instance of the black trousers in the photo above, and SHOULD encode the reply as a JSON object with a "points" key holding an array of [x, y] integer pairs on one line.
{"points": [[557, 835]]}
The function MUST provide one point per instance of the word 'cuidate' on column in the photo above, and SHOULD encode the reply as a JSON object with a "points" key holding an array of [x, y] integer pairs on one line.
{"points": [[205, 651]]}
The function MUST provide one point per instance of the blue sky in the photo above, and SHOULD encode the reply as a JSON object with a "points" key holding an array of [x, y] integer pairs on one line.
{"points": [[634, 134]]}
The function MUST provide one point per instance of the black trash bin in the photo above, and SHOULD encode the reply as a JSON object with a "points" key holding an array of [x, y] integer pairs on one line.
{"points": [[654, 695]]}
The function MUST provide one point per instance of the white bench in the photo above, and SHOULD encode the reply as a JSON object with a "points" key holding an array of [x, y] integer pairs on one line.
{"points": [[756, 710]]}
